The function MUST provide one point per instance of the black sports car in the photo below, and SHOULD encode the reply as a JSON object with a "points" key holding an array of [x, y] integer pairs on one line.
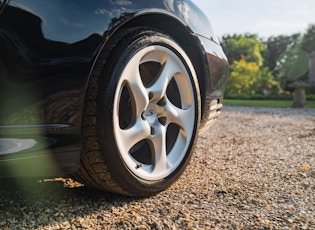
{"points": [[111, 92]]}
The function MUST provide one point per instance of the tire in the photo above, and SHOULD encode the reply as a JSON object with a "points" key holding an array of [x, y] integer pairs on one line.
{"points": [[141, 115]]}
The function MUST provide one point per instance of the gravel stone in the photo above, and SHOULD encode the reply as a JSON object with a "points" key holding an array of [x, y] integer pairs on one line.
{"points": [[254, 169]]}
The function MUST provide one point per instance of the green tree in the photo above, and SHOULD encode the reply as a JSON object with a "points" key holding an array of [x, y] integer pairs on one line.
{"points": [[308, 42], [248, 78], [240, 46], [293, 64], [276, 46], [248, 73]]}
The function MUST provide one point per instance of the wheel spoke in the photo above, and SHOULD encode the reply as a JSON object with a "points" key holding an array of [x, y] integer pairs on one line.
{"points": [[136, 133], [180, 117], [131, 76], [174, 155], [170, 68], [159, 151]]}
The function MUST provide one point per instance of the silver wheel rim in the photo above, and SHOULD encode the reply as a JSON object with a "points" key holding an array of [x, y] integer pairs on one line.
{"points": [[154, 112]]}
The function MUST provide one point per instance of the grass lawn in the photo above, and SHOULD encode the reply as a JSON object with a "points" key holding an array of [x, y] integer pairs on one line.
{"points": [[265, 103]]}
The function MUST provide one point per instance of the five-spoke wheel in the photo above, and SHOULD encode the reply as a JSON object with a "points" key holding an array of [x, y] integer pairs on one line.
{"points": [[140, 134], [154, 110]]}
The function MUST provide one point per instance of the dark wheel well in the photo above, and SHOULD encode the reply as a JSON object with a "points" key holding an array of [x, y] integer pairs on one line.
{"points": [[183, 37]]}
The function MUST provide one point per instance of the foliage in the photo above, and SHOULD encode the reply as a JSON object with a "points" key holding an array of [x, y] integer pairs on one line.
{"points": [[263, 67], [293, 64], [248, 77], [247, 47], [308, 42], [278, 45]]}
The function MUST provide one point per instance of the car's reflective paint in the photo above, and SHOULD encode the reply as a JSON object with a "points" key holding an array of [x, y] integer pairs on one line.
{"points": [[47, 50]]}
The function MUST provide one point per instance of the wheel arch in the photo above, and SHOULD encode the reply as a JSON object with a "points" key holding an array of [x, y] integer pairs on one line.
{"points": [[183, 35]]}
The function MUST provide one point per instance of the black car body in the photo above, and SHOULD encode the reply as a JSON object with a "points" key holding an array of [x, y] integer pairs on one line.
{"points": [[49, 49]]}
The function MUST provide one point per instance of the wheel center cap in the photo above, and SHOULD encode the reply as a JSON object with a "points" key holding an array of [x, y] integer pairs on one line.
{"points": [[150, 115]]}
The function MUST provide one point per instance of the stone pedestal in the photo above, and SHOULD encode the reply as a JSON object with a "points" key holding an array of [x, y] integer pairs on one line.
{"points": [[299, 95]]}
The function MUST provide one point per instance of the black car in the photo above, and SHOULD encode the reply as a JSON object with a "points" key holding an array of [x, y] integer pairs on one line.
{"points": [[110, 92]]}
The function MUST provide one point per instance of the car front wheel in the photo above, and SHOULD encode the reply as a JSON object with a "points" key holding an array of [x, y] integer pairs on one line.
{"points": [[141, 115]]}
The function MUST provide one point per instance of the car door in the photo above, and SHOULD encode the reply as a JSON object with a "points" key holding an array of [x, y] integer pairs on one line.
{"points": [[42, 75]]}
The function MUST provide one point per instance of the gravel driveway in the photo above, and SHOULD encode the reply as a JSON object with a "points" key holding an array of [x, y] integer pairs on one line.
{"points": [[255, 169]]}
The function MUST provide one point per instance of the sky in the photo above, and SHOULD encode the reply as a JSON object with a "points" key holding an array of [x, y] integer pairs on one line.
{"points": [[265, 18]]}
